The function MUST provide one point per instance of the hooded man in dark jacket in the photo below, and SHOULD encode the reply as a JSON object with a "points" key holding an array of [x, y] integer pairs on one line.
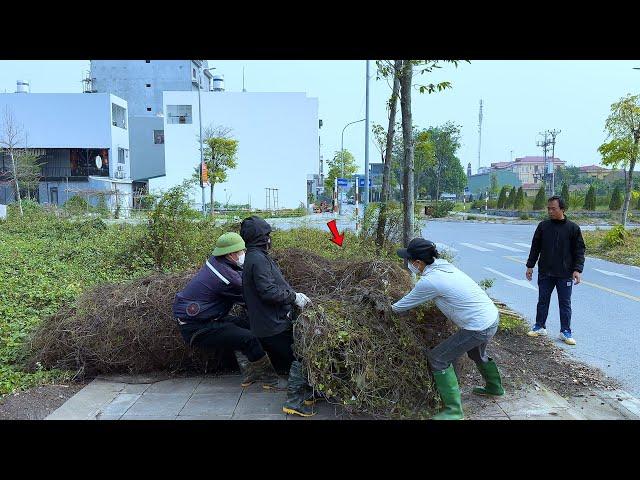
{"points": [[270, 304], [202, 310]]}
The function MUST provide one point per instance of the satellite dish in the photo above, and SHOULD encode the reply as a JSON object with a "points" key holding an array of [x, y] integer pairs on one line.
{"points": [[98, 161]]}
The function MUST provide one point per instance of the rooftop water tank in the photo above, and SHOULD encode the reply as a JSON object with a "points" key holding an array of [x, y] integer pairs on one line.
{"points": [[218, 83], [23, 86]]}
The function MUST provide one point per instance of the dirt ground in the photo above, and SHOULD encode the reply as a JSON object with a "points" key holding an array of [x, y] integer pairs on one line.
{"points": [[36, 403]]}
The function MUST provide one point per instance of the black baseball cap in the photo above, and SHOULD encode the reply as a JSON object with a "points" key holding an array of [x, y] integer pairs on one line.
{"points": [[417, 249]]}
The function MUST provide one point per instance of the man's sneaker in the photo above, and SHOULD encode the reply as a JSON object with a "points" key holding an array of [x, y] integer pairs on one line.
{"points": [[567, 338], [537, 331]]}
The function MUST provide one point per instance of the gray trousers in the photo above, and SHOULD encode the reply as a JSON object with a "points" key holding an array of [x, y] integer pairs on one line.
{"points": [[473, 343]]}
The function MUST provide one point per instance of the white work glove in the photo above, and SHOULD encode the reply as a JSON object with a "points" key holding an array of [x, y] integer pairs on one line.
{"points": [[301, 300]]}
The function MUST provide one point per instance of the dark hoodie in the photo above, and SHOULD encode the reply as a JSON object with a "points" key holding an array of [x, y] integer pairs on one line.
{"points": [[268, 296], [560, 246]]}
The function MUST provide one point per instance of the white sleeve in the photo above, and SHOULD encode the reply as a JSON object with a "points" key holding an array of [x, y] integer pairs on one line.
{"points": [[421, 293]]}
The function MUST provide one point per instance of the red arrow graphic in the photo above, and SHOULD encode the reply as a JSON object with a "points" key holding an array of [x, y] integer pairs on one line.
{"points": [[337, 238]]}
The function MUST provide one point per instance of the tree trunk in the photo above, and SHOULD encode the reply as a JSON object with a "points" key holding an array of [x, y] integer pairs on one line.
{"points": [[408, 167], [386, 174], [15, 180], [629, 182], [211, 198]]}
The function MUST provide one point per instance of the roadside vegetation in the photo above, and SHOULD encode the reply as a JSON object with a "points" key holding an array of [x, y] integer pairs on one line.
{"points": [[616, 245]]}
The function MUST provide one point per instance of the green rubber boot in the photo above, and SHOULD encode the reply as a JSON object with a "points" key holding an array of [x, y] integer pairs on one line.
{"points": [[447, 385], [261, 371], [491, 375], [297, 393]]}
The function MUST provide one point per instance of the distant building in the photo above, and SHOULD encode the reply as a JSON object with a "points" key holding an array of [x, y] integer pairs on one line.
{"points": [[277, 134], [481, 183], [595, 171], [142, 84], [528, 169], [82, 141]]}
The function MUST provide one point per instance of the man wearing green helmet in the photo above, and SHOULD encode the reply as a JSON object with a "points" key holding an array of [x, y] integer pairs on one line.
{"points": [[202, 310]]}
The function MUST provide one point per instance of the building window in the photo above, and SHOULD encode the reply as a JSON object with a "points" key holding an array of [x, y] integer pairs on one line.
{"points": [[179, 114], [118, 116], [158, 137], [148, 85], [148, 109], [53, 195], [122, 154]]}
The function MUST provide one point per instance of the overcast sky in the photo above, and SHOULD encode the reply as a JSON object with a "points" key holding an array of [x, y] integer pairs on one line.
{"points": [[521, 99]]}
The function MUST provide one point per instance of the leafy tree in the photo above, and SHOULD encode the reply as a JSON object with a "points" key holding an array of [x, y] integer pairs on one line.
{"points": [[565, 193], [538, 203], [519, 200], [616, 199], [623, 130], [511, 199], [590, 199], [494, 185], [220, 153], [404, 70], [336, 168], [502, 198]]}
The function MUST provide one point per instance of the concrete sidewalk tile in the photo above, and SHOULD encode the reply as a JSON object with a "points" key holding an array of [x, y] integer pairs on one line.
{"points": [[148, 417], [164, 405], [262, 416], [86, 404], [119, 405], [594, 408], [175, 386], [210, 404], [200, 419], [135, 388], [219, 385], [260, 403]]}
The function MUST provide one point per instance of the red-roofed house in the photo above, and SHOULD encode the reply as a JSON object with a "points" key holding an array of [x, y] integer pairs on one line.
{"points": [[527, 170], [595, 171]]}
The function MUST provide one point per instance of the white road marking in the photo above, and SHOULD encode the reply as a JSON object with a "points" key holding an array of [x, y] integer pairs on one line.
{"points": [[614, 274], [476, 247], [505, 247], [510, 279], [525, 245], [444, 246]]}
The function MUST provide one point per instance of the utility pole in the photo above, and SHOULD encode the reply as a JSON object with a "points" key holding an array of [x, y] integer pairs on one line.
{"points": [[479, 133], [545, 169], [553, 134], [365, 200]]}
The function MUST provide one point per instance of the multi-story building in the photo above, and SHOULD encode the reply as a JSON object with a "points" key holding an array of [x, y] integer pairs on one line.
{"points": [[82, 142], [595, 171], [142, 83], [277, 135], [530, 170]]}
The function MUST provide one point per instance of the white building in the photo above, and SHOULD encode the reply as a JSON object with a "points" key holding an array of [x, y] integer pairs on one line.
{"points": [[278, 143], [83, 140]]}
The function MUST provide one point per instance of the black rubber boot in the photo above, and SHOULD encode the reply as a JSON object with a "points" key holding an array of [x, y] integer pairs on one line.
{"points": [[297, 392]]}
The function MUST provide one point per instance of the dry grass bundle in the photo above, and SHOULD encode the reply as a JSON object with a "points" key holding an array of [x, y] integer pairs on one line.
{"points": [[123, 328], [360, 357]]}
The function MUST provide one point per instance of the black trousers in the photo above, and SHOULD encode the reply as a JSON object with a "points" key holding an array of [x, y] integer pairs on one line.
{"points": [[280, 350], [228, 332]]}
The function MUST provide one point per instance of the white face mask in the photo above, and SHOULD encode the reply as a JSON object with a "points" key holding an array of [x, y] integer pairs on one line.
{"points": [[240, 261], [413, 268]]}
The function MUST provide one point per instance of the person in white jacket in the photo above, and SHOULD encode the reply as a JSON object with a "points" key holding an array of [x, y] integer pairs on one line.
{"points": [[463, 302]]}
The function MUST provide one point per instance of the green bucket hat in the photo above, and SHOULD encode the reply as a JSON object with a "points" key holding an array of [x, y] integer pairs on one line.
{"points": [[228, 243]]}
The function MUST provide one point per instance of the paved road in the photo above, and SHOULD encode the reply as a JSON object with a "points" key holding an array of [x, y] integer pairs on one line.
{"points": [[606, 305]]}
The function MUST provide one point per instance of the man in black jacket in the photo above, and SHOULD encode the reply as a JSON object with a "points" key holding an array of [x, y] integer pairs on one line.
{"points": [[270, 300], [559, 244]]}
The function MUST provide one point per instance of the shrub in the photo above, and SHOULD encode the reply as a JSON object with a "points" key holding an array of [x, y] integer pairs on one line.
{"points": [[615, 237], [616, 200], [442, 209], [76, 205]]}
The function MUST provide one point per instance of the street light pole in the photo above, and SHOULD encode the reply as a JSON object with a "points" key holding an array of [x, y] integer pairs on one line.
{"points": [[342, 154], [200, 137], [365, 201]]}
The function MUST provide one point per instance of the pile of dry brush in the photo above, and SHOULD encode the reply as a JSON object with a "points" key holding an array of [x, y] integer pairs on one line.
{"points": [[357, 355]]}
